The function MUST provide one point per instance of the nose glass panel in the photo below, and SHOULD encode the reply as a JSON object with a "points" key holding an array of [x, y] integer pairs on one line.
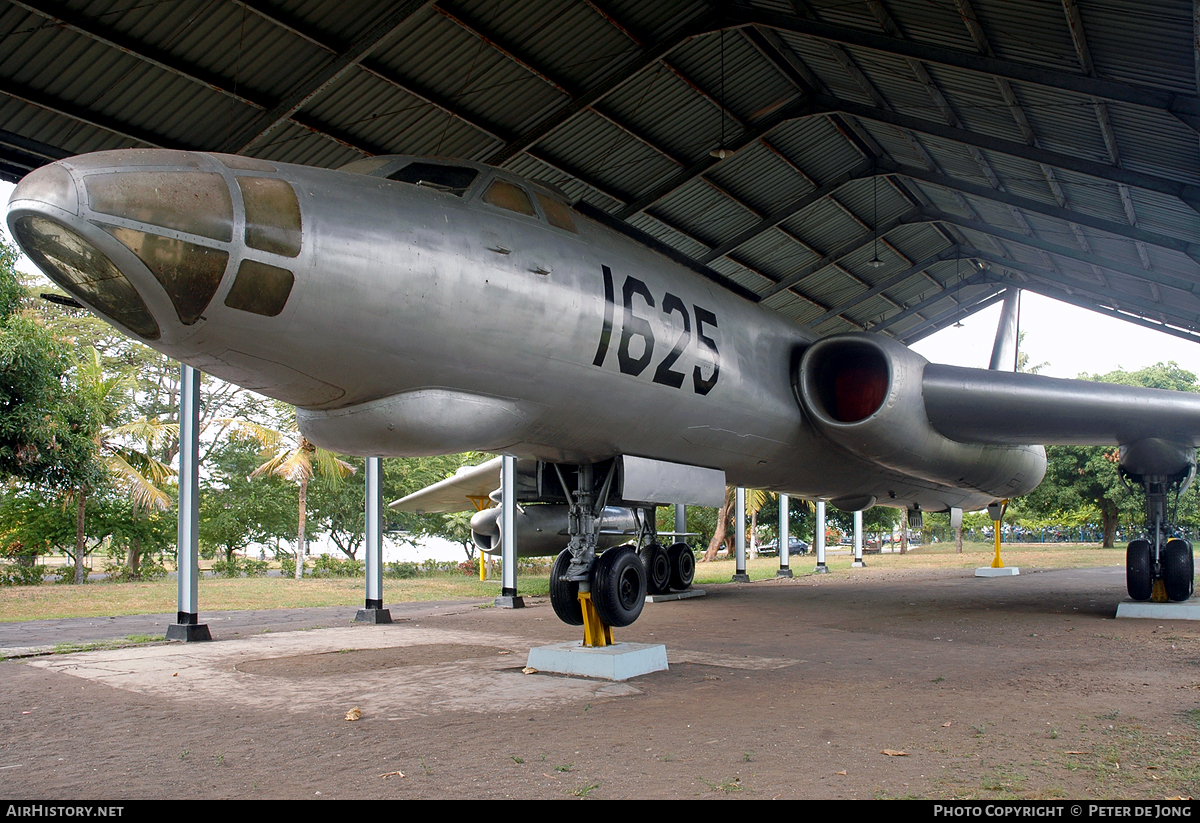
{"points": [[85, 272], [192, 202], [189, 273], [272, 215]]}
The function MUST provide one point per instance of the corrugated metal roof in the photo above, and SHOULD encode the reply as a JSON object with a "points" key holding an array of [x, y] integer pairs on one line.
{"points": [[504, 78]]}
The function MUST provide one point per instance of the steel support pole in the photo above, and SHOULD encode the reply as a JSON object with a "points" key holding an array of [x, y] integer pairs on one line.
{"points": [[785, 569], [858, 541], [508, 597], [739, 541], [680, 522], [819, 539], [374, 612], [188, 627]]}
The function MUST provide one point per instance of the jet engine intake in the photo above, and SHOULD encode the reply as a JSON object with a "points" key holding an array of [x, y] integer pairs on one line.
{"points": [[864, 392]]}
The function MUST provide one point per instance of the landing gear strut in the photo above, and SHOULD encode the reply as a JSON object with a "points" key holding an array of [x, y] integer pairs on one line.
{"points": [[596, 591], [1160, 567]]}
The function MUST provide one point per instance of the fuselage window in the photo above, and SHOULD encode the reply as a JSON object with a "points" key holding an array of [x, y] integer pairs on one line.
{"points": [[260, 288], [507, 196], [559, 214], [451, 179], [272, 215]]}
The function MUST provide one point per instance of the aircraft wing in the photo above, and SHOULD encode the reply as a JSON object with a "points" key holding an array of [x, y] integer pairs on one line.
{"points": [[455, 493], [979, 406]]}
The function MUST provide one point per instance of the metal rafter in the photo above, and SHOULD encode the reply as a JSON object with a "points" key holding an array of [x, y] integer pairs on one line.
{"points": [[894, 280], [1066, 281], [1055, 292], [976, 279], [646, 56], [1185, 107], [1187, 192], [935, 323], [324, 76], [914, 214]]}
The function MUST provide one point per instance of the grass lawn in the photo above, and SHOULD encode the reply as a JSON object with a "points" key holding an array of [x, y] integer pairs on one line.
{"points": [[102, 599]]}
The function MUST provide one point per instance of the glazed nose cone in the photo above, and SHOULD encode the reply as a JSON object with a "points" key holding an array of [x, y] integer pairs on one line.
{"points": [[43, 229]]}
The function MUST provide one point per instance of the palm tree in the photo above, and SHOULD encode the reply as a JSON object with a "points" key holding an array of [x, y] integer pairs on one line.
{"points": [[291, 456], [755, 500], [120, 460]]}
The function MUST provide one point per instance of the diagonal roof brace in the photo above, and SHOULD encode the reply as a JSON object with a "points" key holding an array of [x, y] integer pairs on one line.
{"points": [[894, 280], [1192, 250], [1187, 192], [913, 215], [1163, 279], [1186, 107]]}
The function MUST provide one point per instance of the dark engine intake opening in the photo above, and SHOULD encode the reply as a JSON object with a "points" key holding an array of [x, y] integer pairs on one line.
{"points": [[850, 381]]}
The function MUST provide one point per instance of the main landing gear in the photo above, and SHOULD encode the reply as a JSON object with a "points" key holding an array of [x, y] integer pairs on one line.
{"points": [[1162, 566], [600, 591]]}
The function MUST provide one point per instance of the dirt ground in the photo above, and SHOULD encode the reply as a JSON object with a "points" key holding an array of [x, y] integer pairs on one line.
{"points": [[1018, 687]]}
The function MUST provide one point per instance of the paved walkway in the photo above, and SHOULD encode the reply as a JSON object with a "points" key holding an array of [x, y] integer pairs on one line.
{"points": [[41, 636]]}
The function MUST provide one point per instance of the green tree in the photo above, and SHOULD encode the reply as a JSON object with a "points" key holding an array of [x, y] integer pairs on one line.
{"points": [[236, 510], [44, 428], [290, 455]]}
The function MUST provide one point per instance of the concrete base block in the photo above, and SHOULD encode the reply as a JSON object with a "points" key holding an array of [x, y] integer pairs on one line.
{"points": [[188, 632], [821, 569], [376, 616], [509, 601], [669, 596], [784, 573], [858, 564], [988, 571], [1184, 610], [619, 661], [740, 578]]}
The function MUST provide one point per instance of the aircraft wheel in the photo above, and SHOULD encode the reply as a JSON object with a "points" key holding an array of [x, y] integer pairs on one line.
{"points": [[683, 566], [1178, 569], [658, 568], [619, 586], [564, 594], [1139, 577]]}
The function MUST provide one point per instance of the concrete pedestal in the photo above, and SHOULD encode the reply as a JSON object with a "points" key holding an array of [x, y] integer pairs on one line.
{"points": [[509, 601], [740, 578], [858, 564], [687, 594], [821, 569], [1185, 610], [188, 632], [784, 573], [376, 616], [988, 571], [619, 661]]}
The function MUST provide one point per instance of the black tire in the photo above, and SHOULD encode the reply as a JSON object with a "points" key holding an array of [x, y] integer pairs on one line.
{"points": [[658, 568], [1178, 569], [564, 594], [619, 586], [683, 566], [1139, 577]]}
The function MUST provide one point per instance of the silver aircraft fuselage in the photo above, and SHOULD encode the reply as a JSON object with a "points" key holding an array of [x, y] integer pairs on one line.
{"points": [[410, 318]]}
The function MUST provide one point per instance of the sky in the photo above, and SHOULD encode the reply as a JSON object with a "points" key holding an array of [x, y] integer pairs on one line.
{"points": [[1070, 340]]}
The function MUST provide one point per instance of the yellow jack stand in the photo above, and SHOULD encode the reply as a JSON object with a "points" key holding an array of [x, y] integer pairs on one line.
{"points": [[997, 563], [596, 633], [1158, 594]]}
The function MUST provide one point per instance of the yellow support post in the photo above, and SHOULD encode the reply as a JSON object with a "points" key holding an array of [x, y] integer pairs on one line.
{"points": [[997, 563], [596, 633]]}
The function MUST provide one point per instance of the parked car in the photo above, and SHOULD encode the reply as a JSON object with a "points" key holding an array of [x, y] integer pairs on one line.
{"points": [[795, 546]]}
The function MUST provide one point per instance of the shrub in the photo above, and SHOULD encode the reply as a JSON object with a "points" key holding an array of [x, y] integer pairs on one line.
{"points": [[257, 568], [329, 566], [402, 570], [19, 574], [227, 568]]}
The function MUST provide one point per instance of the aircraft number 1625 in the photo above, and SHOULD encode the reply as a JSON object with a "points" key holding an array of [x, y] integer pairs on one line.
{"points": [[633, 325]]}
